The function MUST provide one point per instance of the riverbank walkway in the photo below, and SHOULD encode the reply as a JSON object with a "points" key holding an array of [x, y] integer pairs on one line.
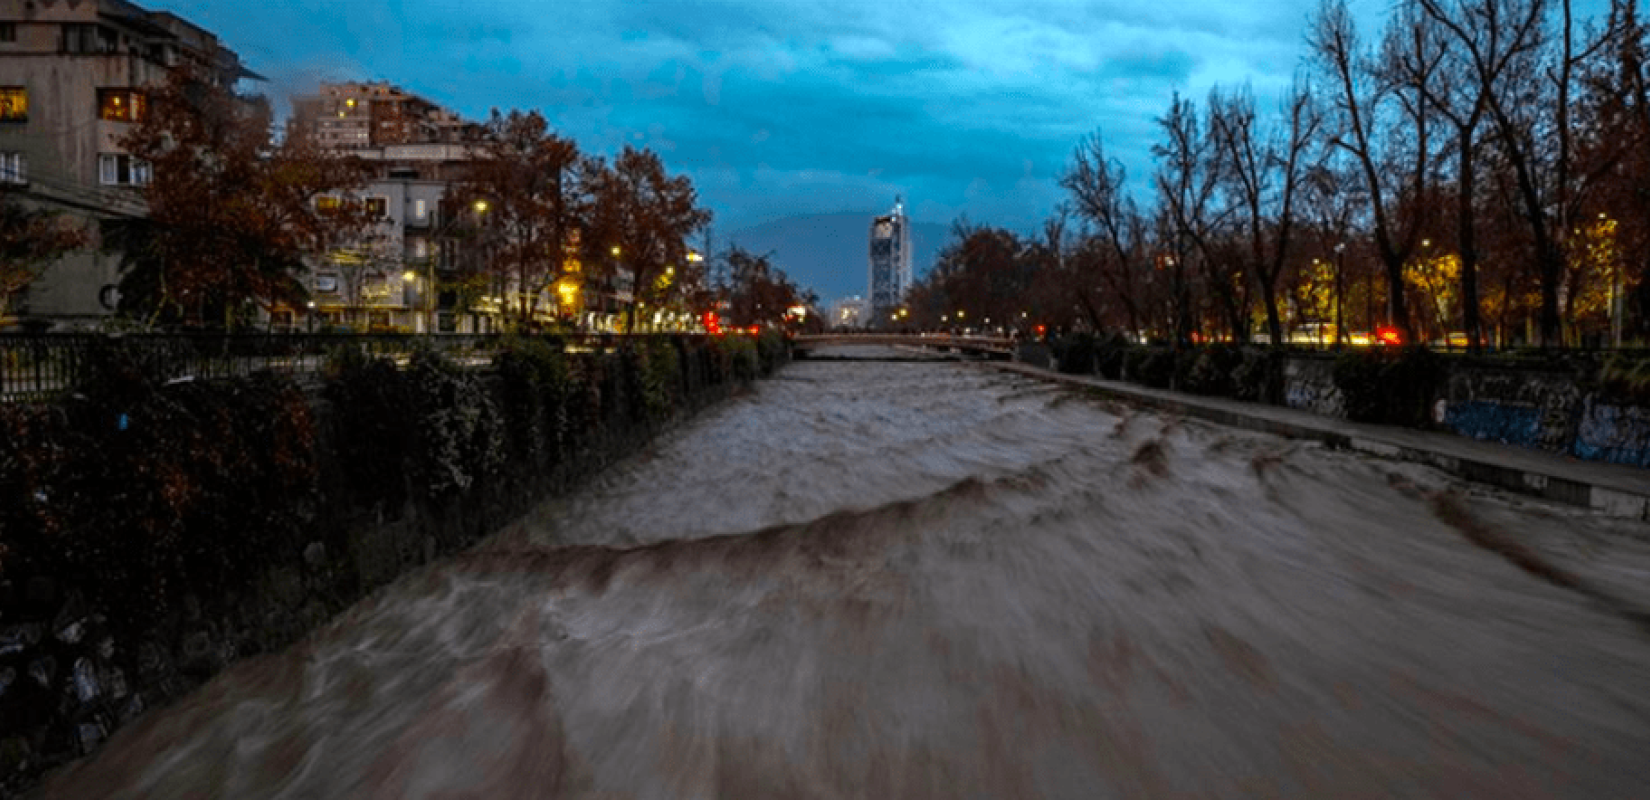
{"points": [[1613, 489]]}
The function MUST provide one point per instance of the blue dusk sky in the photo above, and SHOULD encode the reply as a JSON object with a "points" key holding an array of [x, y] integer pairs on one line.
{"points": [[780, 108]]}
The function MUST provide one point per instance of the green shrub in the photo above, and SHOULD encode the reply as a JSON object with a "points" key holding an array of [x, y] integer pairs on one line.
{"points": [[1075, 354], [661, 378], [457, 425], [535, 379], [772, 350], [1133, 359], [1626, 377], [1258, 378], [744, 363], [1110, 356], [140, 489], [1209, 370], [1390, 386], [1152, 366], [372, 426]]}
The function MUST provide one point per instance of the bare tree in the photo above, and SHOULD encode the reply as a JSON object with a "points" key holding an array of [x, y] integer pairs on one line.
{"points": [[1187, 181], [1492, 59], [1262, 174], [1613, 144], [1385, 129], [1096, 183]]}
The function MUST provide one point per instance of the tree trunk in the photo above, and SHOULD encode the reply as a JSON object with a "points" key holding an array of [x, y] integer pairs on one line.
{"points": [[1468, 244], [1274, 323]]}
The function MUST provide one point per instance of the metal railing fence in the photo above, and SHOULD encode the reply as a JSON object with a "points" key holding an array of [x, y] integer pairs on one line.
{"points": [[38, 367]]}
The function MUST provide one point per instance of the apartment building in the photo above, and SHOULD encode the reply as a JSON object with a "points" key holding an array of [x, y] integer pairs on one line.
{"points": [[73, 79], [401, 275], [425, 268], [890, 261], [357, 116]]}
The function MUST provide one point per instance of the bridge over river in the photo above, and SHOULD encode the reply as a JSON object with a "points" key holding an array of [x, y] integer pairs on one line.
{"points": [[863, 346], [942, 580]]}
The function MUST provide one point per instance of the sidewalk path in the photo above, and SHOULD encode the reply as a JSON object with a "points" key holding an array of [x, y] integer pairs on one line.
{"points": [[1613, 489]]}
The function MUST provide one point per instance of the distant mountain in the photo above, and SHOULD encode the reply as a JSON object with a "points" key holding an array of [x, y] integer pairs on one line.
{"points": [[828, 253]]}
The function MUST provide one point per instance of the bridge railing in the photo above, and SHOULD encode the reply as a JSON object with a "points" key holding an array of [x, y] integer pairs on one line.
{"points": [[987, 344]]}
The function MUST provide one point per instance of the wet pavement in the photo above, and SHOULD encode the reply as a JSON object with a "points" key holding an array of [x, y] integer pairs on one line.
{"points": [[941, 580]]}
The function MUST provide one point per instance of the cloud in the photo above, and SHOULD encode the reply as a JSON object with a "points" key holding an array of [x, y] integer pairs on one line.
{"points": [[775, 106]]}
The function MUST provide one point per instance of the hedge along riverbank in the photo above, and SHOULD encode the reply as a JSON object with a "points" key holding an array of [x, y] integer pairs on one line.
{"points": [[151, 533]]}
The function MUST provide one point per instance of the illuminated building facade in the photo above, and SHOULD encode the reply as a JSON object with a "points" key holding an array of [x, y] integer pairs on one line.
{"points": [[75, 76], [890, 264]]}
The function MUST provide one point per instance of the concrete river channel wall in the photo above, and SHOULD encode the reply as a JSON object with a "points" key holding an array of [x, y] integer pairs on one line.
{"points": [[1534, 406]]}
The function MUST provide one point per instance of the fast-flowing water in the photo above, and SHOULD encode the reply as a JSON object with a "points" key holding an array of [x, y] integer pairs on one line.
{"points": [[938, 580]]}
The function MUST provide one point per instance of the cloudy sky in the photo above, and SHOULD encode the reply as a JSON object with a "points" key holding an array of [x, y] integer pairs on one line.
{"points": [[777, 108]]}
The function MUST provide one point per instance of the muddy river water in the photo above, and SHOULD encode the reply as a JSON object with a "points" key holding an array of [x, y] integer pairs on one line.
{"points": [[938, 580]]}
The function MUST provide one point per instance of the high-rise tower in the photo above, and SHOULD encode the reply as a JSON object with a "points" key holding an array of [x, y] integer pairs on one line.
{"points": [[890, 265]]}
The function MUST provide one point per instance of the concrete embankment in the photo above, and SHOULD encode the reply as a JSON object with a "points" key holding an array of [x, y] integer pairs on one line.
{"points": [[1614, 489]]}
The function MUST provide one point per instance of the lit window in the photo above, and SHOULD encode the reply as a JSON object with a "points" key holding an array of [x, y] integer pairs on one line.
{"points": [[14, 104], [119, 169], [13, 168], [420, 209], [120, 105], [377, 206], [326, 284]]}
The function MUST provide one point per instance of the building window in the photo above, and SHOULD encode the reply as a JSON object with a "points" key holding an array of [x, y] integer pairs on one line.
{"points": [[326, 284], [327, 204], [8, 31], [420, 210], [14, 168], [120, 105], [80, 37], [377, 207], [119, 169], [14, 104]]}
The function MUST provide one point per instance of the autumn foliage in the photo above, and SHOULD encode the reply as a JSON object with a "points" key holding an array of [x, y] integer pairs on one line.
{"points": [[231, 216]]}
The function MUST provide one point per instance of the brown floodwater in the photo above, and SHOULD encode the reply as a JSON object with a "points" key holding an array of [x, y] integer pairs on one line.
{"points": [[938, 580]]}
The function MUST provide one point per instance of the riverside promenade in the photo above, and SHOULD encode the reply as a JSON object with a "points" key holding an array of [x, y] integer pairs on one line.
{"points": [[1613, 489]]}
